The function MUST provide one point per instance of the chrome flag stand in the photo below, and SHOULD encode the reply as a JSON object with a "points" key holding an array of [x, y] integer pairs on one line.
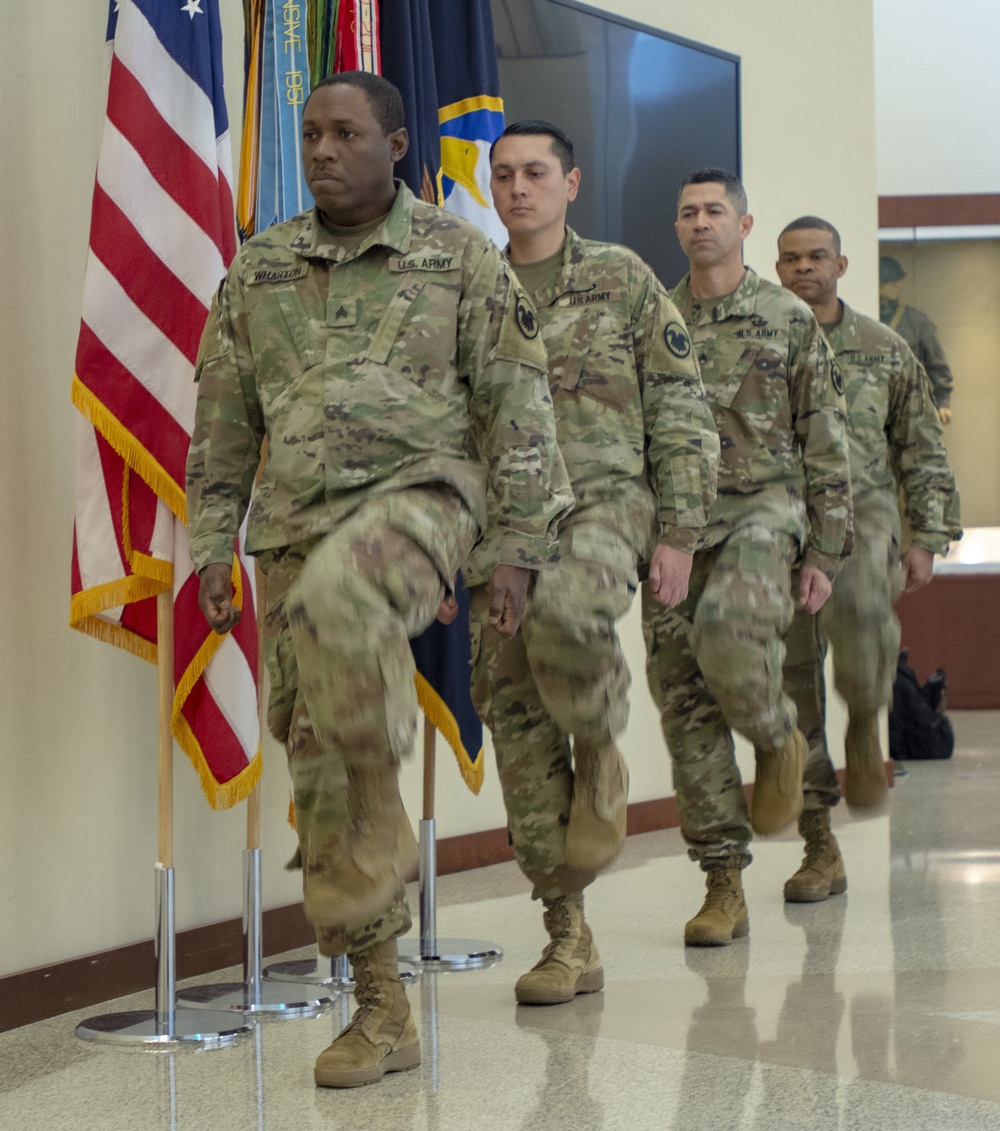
{"points": [[166, 1025], [429, 952], [254, 995]]}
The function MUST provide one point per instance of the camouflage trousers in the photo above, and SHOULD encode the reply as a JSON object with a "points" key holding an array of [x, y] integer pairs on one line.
{"points": [[340, 613], [563, 674], [714, 665], [859, 622]]}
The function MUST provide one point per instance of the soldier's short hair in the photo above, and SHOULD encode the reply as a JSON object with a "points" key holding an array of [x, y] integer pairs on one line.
{"points": [[732, 184], [562, 147], [383, 97], [812, 223]]}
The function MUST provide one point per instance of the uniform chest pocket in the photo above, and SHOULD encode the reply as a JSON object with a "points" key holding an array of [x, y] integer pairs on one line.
{"points": [[757, 389], [724, 387], [284, 339], [867, 409], [392, 320], [599, 363]]}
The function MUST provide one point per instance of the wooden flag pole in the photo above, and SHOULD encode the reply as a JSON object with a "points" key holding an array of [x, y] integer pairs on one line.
{"points": [[430, 766], [165, 743]]}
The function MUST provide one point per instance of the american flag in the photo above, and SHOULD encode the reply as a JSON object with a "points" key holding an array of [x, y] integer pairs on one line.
{"points": [[162, 235]]}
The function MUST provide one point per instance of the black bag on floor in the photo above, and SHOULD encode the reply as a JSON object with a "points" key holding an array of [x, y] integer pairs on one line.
{"points": [[918, 726]]}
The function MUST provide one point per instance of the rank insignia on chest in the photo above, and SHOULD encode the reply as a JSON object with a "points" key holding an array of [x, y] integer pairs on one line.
{"points": [[342, 313], [677, 340]]}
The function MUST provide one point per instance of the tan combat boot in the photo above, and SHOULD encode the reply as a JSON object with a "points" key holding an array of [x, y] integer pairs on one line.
{"points": [[777, 790], [570, 964], [381, 1037], [865, 783], [723, 916], [821, 873], [599, 810], [378, 855]]}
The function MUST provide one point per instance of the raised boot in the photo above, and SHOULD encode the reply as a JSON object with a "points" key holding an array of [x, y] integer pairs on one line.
{"points": [[777, 789], [821, 873], [599, 809], [381, 1037], [865, 783], [570, 964], [723, 916], [359, 879]]}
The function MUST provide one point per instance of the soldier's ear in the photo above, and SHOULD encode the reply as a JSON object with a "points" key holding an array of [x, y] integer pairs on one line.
{"points": [[399, 143], [841, 266], [572, 183]]}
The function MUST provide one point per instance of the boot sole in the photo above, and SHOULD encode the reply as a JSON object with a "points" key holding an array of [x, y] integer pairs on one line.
{"points": [[585, 984], [740, 931], [399, 1060], [838, 887]]}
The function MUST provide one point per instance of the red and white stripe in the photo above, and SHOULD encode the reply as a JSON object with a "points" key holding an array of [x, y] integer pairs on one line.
{"points": [[162, 234]]}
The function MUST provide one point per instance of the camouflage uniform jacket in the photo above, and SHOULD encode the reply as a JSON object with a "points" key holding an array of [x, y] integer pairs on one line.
{"points": [[894, 432], [629, 403], [920, 334], [414, 359], [778, 401]]}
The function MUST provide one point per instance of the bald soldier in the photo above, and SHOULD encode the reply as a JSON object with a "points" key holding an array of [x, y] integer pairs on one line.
{"points": [[714, 661], [642, 454], [896, 444], [390, 358]]}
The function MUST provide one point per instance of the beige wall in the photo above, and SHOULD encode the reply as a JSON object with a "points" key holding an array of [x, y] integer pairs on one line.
{"points": [[957, 282], [77, 723]]}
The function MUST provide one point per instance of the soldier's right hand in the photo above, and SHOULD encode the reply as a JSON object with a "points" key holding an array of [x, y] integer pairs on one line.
{"points": [[508, 595], [215, 597]]}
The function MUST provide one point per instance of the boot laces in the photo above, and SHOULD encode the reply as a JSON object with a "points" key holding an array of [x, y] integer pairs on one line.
{"points": [[559, 924], [722, 890], [365, 990], [817, 838]]}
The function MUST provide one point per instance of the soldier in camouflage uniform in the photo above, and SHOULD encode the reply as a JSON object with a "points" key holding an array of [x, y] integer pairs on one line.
{"points": [[714, 661], [918, 331], [641, 451], [895, 441], [388, 356]]}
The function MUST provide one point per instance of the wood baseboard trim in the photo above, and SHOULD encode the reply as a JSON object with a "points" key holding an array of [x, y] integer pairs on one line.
{"points": [[34, 995], [935, 211]]}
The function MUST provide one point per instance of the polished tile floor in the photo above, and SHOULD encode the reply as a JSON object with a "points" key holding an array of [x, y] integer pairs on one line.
{"points": [[879, 1009]]}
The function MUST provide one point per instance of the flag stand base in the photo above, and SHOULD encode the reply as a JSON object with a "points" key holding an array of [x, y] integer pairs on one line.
{"points": [[333, 973], [429, 952], [165, 1026], [254, 995]]}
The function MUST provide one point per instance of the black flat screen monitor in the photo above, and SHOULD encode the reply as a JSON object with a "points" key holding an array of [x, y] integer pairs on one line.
{"points": [[642, 108]]}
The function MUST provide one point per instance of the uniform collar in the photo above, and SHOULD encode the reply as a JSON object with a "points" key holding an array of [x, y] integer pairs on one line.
{"points": [[742, 303], [572, 275], [312, 241], [846, 333]]}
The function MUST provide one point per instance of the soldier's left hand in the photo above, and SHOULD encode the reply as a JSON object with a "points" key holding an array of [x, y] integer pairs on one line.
{"points": [[918, 565], [508, 594], [945, 415], [814, 588], [669, 573]]}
